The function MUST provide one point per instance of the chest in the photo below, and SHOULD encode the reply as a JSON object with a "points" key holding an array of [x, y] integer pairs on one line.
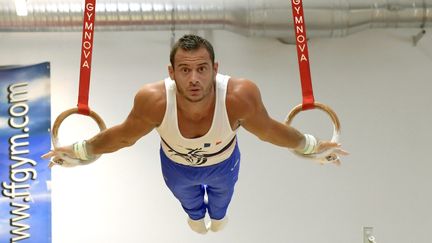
{"points": [[194, 127]]}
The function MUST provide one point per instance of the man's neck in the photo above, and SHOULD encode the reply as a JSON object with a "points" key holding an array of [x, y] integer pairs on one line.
{"points": [[197, 110]]}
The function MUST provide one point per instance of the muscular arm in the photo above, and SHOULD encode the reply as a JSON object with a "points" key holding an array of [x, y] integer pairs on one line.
{"points": [[247, 104], [146, 114]]}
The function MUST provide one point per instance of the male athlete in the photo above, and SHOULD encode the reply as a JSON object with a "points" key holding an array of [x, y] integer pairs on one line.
{"points": [[197, 112]]}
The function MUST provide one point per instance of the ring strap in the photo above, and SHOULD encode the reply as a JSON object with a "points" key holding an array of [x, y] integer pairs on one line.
{"points": [[302, 54], [86, 56]]}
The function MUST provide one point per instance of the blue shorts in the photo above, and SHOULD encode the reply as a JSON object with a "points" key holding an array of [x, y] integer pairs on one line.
{"points": [[189, 184]]}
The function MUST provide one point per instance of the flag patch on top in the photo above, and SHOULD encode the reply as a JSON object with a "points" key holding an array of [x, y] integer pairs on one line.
{"points": [[206, 145]]}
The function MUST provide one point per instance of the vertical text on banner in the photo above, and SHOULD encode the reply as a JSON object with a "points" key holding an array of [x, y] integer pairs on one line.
{"points": [[25, 120]]}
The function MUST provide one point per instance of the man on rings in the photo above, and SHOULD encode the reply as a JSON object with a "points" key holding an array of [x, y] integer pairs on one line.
{"points": [[197, 112]]}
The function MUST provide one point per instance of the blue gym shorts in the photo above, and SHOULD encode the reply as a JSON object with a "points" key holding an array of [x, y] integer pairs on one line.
{"points": [[189, 184]]}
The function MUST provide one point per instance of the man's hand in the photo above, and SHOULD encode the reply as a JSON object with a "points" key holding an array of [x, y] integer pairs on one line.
{"points": [[329, 152], [63, 156]]}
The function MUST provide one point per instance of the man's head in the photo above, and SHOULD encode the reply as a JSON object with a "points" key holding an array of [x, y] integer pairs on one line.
{"points": [[193, 67], [191, 43]]}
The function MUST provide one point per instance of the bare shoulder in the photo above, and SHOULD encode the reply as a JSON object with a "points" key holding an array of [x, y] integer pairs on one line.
{"points": [[151, 91], [242, 87], [150, 102], [243, 97], [242, 90]]}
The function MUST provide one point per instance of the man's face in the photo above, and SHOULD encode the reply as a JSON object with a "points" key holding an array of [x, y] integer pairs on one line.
{"points": [[193, 73]]}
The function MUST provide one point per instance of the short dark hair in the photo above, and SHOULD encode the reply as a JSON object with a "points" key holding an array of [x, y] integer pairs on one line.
{"points": [[192, 42]]}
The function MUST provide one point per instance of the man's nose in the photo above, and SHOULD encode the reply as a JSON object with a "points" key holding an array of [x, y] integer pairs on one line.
{"points": [[194, 77]]}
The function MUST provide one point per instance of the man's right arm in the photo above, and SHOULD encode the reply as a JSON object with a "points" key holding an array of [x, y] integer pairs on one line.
{"points": [[146, 114]]}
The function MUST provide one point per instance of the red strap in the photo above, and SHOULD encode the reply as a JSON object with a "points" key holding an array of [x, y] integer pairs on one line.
{"points": [[86, 56], [302, 54]]}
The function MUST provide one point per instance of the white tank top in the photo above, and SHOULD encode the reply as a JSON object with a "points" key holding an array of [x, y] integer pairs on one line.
{"points": [[212, 148]]}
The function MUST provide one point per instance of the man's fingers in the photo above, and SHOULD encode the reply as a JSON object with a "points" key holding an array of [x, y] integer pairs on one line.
{"points": [[343, 152], [59, 151], [336, 162], [48, 155], [335, 147], [329, 144], [66, 149], [51, 164], [340, 151], [332, 158], [57, 160]]}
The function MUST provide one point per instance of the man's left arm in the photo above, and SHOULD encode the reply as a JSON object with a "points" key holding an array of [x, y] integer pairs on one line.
{"points": [[255, 119]]}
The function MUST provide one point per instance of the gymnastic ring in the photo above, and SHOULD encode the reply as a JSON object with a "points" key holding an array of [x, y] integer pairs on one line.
{"points": [[336, 125], [58, 121]]}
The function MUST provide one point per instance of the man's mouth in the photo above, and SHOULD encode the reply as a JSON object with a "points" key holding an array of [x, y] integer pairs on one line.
{"points": [[195, 89]]}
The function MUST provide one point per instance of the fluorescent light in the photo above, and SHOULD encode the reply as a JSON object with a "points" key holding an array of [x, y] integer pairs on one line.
{"points": [[21, 7]]}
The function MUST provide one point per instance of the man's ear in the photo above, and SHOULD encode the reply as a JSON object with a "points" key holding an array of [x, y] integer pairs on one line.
{"points": [[171, 71], [216, 67]]}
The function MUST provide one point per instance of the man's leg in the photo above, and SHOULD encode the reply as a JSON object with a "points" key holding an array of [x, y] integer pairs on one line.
{"points": [[189, 193], [191, 199], [219, 197], [220, 191]]}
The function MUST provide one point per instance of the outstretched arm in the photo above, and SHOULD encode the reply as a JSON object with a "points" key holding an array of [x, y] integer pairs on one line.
{"points": [[255, 119], [146, 114], [140, 121]]}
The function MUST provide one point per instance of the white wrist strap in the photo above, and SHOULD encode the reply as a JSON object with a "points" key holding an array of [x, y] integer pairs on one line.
{"points": [[310, 144], [80, 150]]}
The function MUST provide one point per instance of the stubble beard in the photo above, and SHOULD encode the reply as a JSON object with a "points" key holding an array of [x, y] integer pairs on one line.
{"points": [[197, 99]]}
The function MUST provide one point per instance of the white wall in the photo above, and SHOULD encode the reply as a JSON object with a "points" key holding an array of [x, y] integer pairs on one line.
{"points": [[378, 83]]}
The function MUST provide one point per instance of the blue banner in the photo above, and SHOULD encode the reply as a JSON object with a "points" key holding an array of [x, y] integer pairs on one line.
{"points": [[25, 120]]}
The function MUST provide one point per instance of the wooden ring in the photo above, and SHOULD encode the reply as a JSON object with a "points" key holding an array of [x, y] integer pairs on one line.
{"points": [[59, 120], [336, 124]]}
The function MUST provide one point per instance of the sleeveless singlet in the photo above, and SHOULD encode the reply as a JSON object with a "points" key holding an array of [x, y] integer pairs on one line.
{"points": [[212, 148]]}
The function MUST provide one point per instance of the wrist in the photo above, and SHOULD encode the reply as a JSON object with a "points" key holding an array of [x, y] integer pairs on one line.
{"points": [[81, 151], [308, 144]]}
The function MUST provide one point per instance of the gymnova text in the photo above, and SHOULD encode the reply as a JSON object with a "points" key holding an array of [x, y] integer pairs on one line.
{"points": [[300, 29], [87, 42], [21, 169]]}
